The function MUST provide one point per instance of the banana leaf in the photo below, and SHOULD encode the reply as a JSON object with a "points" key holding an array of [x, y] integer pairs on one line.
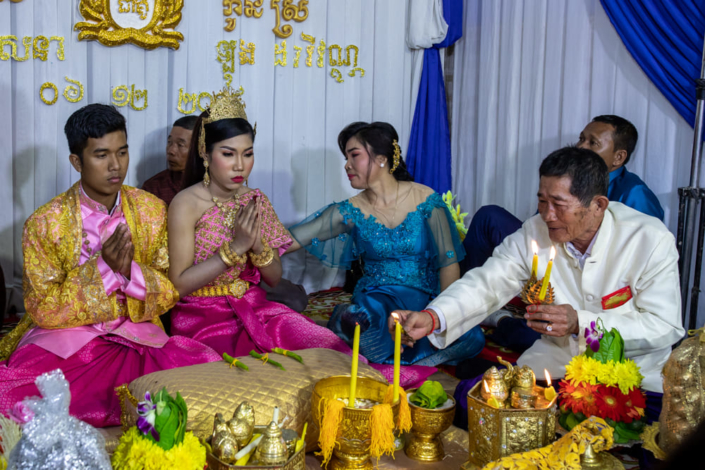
{"points": [[430, 395]]}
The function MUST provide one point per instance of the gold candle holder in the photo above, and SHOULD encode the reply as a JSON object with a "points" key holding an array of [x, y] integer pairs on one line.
{"points": [[495, 433], [530, 293], [352, 449], [425, 444]]}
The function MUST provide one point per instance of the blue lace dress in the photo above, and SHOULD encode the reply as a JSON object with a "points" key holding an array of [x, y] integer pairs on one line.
{"points": [[401, 271]]}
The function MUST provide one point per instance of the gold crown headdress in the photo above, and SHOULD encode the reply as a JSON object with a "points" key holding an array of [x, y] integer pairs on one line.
{"points": [[226, 104]]}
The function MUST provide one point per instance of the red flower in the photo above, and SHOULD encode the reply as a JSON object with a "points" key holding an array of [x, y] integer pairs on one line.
{"points": [[579, 399], [611, 403], [634, 404]]}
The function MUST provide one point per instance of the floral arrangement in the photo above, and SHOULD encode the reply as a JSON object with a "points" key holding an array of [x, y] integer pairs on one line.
{"points": [[160, 441], [458, 217], [603, 383]]}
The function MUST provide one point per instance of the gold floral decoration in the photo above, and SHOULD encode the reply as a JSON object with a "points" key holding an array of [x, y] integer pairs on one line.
{"points": [[226, 56], [357, 69], [44, 87], [321, 54], [252, 9], [298, 50], [185, 99], [131, 21], [309, 49]]}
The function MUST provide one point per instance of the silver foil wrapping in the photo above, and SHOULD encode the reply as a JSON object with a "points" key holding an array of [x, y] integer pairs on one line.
{"points": [[53, 439]]}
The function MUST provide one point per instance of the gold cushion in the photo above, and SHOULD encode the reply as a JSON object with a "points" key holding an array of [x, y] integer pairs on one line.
{"points": [[216, 388]]}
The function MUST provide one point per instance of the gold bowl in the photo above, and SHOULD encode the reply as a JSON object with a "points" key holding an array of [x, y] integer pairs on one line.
{"points": [[296, 461], [352, 449], [425, 443]]}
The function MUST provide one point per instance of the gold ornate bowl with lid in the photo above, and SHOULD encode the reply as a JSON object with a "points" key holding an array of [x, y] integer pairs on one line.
{"points": [[352, 444], [425, 443], [296, 460], [498, 432]]}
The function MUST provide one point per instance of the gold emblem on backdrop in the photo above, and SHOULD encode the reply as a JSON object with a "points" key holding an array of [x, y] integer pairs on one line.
{"points": [[143, 23]]}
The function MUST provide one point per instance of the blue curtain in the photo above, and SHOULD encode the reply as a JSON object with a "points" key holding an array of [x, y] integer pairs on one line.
{"points": [[666, 39], [428, 157]]}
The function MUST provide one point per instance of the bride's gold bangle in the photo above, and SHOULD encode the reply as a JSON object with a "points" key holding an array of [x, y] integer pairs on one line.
{"points": [[263, 259], [234, 257]]}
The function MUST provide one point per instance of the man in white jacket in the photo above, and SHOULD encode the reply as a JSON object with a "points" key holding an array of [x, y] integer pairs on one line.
{"points": [[611, 262]]}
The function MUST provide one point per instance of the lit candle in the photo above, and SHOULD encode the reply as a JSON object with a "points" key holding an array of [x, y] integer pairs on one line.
{"points": [[544, 285], [397, 355], [535, 262], [549, 392], [353, 373]]}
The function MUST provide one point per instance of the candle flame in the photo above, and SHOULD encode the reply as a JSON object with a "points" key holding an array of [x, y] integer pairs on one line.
{"points": [[535, 246], [548, 377], [396, 317], [553, 252], [487, 389]]}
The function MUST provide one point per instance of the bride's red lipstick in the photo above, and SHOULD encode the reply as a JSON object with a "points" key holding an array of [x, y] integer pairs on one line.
{"points": [[238, 179]]}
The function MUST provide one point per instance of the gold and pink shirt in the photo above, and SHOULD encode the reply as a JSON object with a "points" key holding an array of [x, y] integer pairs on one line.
{"points": [[98, 225]]}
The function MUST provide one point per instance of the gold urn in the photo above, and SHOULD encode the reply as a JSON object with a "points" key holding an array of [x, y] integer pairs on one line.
{"points": [[495, 433], [494, 385], [352, 449], [425, 444]]}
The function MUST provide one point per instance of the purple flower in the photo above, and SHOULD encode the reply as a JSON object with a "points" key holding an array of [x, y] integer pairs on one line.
{"points": [[147, 411], [593, 337]]}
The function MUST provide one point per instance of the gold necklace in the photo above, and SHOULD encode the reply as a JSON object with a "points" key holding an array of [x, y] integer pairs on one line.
{"points": [[228, 212]]}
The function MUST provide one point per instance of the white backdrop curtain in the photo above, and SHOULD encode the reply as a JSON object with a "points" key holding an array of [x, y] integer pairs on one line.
{"points": [[529, 75], [299, 111]]}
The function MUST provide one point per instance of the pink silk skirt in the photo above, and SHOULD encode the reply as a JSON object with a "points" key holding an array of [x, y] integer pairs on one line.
{"points": [[237, 326], [95, 371]]}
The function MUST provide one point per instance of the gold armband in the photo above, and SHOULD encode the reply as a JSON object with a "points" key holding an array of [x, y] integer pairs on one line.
{"points": [[263, 259]]}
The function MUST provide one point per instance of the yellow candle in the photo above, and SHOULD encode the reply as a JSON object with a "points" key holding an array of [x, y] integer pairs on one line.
{"points": [[353, 373], [397, 356], [535, 261], [549, 392], [547, 277]]}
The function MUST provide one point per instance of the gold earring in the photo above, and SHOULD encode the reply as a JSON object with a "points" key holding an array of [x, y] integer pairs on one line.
{"points": [[206, 176], [245, 181]]}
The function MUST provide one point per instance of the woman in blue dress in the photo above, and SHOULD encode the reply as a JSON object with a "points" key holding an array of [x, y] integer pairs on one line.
{"points": [[405, 237]]}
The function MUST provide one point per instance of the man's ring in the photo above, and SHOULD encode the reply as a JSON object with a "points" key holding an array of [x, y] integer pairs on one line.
{"points": [[549, 327]]}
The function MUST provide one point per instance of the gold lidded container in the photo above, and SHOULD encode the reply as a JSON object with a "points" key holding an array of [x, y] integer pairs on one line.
{"points": [[495, 433], [272, 448], [494, 385]]}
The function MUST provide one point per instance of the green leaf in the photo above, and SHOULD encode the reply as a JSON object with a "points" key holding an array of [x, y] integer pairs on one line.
{"points": [[571, 421], [626, 433], [430, 395]]}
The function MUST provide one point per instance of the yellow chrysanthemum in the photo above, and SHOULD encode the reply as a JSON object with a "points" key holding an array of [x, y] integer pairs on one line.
{"points": [[591, 368], [606, 374], [628, 375], [574, 369], [137, 453]]}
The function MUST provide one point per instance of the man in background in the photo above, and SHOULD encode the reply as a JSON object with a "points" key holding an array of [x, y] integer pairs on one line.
{"points": [[167, 183]]}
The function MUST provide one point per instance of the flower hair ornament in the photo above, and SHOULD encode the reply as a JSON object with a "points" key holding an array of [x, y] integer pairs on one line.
{"points": [[397, 156], [226, 104]]}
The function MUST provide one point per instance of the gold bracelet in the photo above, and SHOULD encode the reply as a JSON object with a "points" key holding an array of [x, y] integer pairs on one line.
{"points": [[236, 259], [224, 256], [263, 259]]}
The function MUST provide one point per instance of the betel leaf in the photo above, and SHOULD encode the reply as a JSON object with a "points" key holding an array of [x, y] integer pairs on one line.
{"points": [[430, 395]]}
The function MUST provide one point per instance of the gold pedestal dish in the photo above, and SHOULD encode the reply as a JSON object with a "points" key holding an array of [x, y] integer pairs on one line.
{"points": [[352, 449], [425, 443]]}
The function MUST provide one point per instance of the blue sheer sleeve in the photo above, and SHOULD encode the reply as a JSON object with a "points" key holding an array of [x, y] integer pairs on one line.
{"points": [[327, 235], [444, 235]]}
